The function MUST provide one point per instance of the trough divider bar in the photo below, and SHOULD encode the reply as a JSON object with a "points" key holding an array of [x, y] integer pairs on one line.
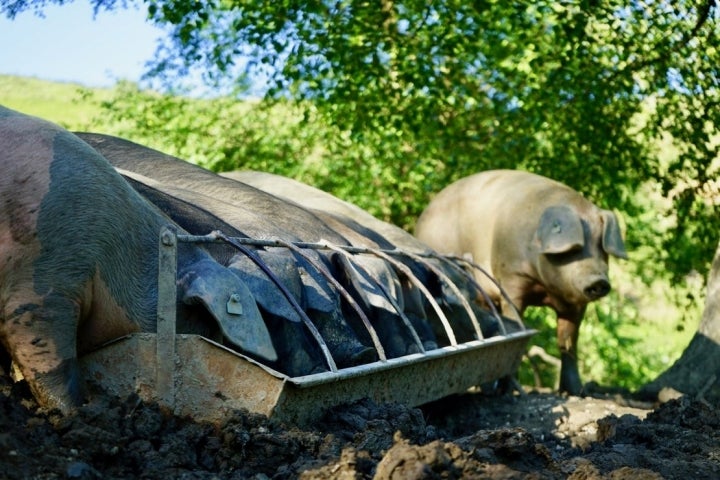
{"points": [[410, 275], [453, 262], [386, 293], [343, 292], [492, 279], [293, 302], [445, 279], [166, 316]]}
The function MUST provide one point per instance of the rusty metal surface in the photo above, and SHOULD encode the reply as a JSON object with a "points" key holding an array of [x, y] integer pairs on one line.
{"points": [[210, 381], [166, 315]]}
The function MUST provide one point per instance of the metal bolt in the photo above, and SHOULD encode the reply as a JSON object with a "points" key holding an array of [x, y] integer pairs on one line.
{"points": [[168, 238]]}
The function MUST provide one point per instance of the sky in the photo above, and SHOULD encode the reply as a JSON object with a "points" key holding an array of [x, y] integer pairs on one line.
{"points": [[69, 45]]}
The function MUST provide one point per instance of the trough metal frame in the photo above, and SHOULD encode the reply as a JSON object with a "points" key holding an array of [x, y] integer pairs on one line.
{"points": [[192, 375]]}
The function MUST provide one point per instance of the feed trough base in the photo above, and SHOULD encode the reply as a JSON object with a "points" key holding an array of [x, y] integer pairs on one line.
{"points": [[207, 381]]}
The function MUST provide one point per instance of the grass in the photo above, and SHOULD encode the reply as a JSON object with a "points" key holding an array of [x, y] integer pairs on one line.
{"points": [[62, 103]]}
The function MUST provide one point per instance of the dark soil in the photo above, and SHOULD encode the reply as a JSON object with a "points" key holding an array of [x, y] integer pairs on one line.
{"points": [[535, 436]]}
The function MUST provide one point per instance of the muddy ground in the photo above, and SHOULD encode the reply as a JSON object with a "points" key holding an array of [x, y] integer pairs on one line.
{"points": [[536, 436]]}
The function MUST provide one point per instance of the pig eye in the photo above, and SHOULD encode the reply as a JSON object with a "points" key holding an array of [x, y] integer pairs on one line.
{"points": [[563, 257]]}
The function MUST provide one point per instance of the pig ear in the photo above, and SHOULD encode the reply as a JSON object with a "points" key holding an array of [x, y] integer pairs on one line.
{"points": [[560, 230], [612, 239], [267, 294], [230, 303]]}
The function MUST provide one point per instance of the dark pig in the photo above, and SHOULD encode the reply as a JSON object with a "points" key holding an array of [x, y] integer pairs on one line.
{"points": [[241, 205], [388, 236], [79, 262], [255, 212], [298, 353], [318, 200], [541, 240]]}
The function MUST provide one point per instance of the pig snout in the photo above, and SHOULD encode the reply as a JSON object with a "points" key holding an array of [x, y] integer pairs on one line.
{"points": [[597, 289]]}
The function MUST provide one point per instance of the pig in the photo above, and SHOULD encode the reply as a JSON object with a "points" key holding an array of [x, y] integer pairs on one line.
{"points": [[235, 202], [79, 263], [320, 201], [262, 215], [391, 237], [297, 353], [543, 242]]}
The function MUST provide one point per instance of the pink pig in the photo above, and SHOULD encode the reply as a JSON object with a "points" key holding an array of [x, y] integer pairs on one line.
{"points": [[542, 241]]}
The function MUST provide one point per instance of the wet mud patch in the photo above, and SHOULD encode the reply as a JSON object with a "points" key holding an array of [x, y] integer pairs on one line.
{"points": [[537, 436]]}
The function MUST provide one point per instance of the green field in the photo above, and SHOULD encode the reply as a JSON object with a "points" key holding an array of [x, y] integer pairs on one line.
{"points": [[62, 103]]}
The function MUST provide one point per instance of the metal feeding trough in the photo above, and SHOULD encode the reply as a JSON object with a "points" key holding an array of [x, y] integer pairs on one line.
{"points": [[198, 377]]}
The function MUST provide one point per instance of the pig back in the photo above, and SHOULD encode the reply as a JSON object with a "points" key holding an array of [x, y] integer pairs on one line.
{"points": [[491, 215], [461, 219]]}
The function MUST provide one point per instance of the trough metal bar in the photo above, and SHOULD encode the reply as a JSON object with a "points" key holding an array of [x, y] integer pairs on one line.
{"points": [[166, 316], [456, 291], [344, 293], [370, 368], [387, 294], [306, 320], [492, 279], [469, 276], [409, 274], [216, 237]]}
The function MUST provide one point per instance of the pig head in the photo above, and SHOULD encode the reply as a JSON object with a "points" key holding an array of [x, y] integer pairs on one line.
{"points": [[543, 242], [79, 260]]}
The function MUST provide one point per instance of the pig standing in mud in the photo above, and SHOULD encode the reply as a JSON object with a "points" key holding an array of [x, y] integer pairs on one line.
{"points": [[542, 241], [79, 261]]}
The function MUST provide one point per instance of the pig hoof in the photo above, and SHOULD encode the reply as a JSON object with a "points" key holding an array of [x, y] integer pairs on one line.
{"points": [[574, 388], [63, 387]]}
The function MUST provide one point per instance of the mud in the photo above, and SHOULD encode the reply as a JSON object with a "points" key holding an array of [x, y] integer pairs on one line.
{"points": [[536, 436]]}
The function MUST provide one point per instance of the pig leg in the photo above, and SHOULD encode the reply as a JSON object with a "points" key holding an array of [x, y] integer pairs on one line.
{"points": [[568, 328], [42, 339]]}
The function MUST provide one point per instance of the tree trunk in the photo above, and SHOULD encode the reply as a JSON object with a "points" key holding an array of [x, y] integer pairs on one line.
{"points": [[697, 371]]}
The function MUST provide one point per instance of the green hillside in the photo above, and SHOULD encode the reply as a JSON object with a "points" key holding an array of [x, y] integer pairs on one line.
{"points": [[62, 103]]}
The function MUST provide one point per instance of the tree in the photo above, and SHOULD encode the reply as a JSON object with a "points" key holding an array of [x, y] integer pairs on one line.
{"points": [[434, 91], [697, 371]]}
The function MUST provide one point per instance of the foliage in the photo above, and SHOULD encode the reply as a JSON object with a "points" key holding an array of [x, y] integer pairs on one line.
{"points": [[419, 94], [433, 92]]}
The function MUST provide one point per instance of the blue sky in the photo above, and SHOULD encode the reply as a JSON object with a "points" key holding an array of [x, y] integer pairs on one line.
{"points": [[69, 45]]}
